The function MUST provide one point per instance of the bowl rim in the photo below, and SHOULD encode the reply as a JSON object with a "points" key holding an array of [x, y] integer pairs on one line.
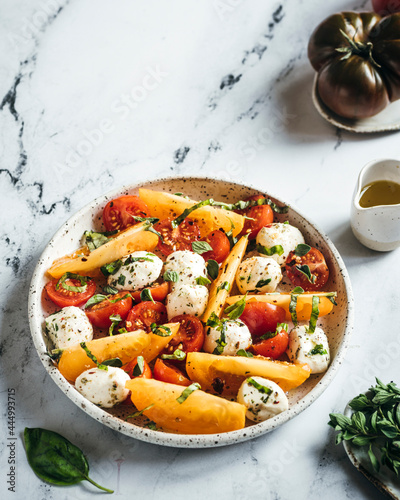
{"points": [[166, 438]]}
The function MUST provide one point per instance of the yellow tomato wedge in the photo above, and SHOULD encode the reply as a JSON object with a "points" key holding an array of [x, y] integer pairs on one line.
{"points": [[304, 302], [200, 413], [164, 205], [233, 370], [221, 286], [125, 346], [130, 240]]}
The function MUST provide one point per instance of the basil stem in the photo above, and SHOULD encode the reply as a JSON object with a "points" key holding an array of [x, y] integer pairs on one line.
{"points": [[55, 459], [139, 413]]}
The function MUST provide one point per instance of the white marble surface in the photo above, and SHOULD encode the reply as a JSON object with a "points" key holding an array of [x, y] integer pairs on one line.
{"points": [[220, 88]]}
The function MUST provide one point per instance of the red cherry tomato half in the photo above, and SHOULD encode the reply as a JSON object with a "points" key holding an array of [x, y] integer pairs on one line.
{"points": [[178, 238], [142, 315], [273, 347], [129, 368], [386, 7], [220, 246], [65, 298], [117, 214], [317, 266], [168, 373], [158, 292], [99, 314], [261, 317], [190, 336], [259, 217]]}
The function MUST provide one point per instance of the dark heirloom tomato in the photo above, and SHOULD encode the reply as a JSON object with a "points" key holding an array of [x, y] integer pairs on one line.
{"points": [[357, 56], [316, 264], [117, 214], [386, 7]]}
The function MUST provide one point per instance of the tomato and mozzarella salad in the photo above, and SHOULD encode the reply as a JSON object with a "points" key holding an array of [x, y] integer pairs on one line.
{"points": [[175, 308]]}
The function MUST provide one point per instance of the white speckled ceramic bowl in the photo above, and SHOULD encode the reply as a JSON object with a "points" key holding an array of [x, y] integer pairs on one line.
{"points": [[337, 325]]}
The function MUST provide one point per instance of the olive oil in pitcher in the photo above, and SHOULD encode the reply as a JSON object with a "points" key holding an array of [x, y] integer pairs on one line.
{"points": [[380, 193]]}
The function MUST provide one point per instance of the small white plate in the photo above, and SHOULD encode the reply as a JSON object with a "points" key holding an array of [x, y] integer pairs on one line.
{"points": [[387, 120], [385, 480], [337, 325]]}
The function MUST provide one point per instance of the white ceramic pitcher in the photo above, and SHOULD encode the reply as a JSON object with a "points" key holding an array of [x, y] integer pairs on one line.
{"points": [[377, 227]]}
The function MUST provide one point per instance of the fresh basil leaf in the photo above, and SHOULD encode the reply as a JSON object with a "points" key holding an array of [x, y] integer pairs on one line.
{"points": [[221, 342], [95, 239], [201, 280], [96, 299], [261, 388], [91, 356], [175, 223], [297, 290], [72, 276], [314, 314], [139, 413], [116, 362], [139, 367], [110, 290], [55, 459], [111, 268], [235, 310], [161, 330], [131, 259], [115, 319], [188, 391], [307, 272], [245, 354], [262, 283], [276, 249], [212, 269], [171, 276], [177, 355], [269, 335], [224, 286], [293, 303], [318, 349], [213, 321], [145, 295], [374, 460], [232, 239], [150, 220], [201, 247], [302, 249]]}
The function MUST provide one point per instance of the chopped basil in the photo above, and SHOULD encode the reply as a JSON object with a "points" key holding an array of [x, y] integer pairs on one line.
{"points": [[93, 357], [262, 283], [201, 247], [221, 342], [121, 279], [276, 249], [72, 276], [259, 387], [212, 269], [110, 290], [122, 330], [242, 205], [224, 286], [293, 303], [235, 310], [111, 268], [95, 239], [201, 280], [187, 392], [302, 249], [177, 354], [314, 314], [175, 223], [307, 273], [139, 367], [55, 354], [171, 276], [115, 319], [113, 362], [139, 413], [232, 239], [131, 259], [150, 220], [145, 295], [213, 320], [245, 354], [318, 349], [271, 335], [100, 297], [160, 330]]}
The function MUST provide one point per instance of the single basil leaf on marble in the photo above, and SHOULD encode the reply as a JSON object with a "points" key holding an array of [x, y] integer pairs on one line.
{"points": [[55, 459], [212, 268], [201, 247]]}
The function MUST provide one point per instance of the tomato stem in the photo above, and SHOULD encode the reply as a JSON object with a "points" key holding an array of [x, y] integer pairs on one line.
{"points": [[357, 48]]}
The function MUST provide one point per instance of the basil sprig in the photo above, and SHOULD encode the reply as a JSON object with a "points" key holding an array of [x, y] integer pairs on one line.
{"points": [[235, 310], [72, 276], [276, 249], [55, 459], [293, 303], [201, 247], [188, 391]]}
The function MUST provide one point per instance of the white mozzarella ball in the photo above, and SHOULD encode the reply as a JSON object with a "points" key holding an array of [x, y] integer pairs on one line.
{"points": [[263, 398], [187, 299], [310, 348], [233, 336], [68, 327], [280, 234], [105, 388], [188, 265], [138, 270], [258, 275]]}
